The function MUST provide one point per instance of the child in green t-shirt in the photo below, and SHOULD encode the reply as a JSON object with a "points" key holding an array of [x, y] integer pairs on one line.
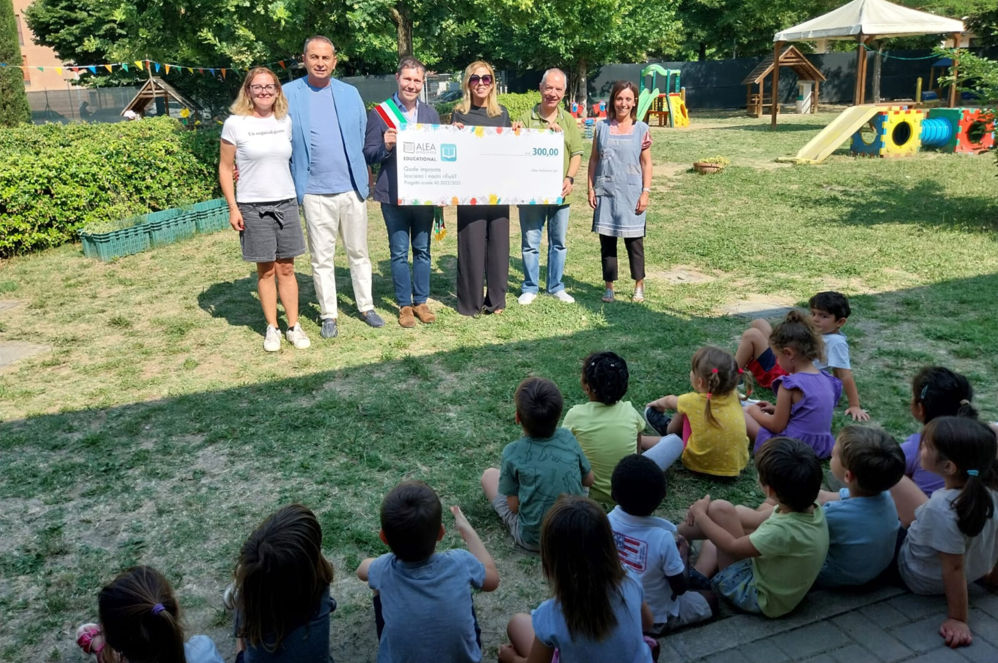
{"points": [[543, 464], [607, 428], [771, 569]]}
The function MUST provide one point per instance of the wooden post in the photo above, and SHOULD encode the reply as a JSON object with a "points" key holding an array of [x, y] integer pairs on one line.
{"points": [[955, 70], [860, 58], [817, 95], [776, 82]]}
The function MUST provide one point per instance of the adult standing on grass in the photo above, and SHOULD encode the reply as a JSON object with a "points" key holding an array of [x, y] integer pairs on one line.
{"points": [[257, 138], [407, 224], [549, 114], [619, 184], [482, 230], [331, 180]]}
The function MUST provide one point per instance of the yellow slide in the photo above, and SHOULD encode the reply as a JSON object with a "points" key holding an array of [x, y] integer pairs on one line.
{"points": [[840, 130]]}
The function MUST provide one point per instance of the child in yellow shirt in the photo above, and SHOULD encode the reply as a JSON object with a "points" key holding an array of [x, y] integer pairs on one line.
{"points": [[710, 419]]}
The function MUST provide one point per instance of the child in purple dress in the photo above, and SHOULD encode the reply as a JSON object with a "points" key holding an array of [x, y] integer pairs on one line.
{"points": [[805, 396]]}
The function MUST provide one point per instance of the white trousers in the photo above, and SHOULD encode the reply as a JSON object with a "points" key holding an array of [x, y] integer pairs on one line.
{"points": [[666, 452], [326, 216]]}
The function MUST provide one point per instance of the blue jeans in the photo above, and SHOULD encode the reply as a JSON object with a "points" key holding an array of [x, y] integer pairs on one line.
{"points": [[532, 219], [409, 224]]}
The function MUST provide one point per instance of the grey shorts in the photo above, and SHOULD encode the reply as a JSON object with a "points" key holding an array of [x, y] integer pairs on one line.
{"points": [[512, 521], [272, 231], [693, 608]]}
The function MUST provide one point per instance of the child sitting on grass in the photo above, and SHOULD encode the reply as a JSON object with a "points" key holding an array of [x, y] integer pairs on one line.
{"points": [[710, 419], [935, 392], [423, 604], [543, 464], [805, 395], [951, 538], [829, 313], [281, 591], [771, 569], [862, 520], [597, 612], [647, 546], [140, 621], [606, 427]]}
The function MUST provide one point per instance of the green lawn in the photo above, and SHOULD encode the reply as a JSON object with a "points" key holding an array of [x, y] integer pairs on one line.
{"points": [[156, 430]]}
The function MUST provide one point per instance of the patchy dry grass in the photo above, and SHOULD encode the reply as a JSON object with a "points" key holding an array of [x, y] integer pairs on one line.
{"points": [[157, 430]]}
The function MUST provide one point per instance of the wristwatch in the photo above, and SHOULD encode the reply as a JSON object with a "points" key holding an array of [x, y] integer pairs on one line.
{"points": [[570, 179]]}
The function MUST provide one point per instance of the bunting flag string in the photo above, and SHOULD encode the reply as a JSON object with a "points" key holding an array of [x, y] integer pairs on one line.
{"points": [[145, 65]]}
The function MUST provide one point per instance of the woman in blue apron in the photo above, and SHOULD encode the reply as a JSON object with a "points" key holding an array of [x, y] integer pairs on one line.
{"points": [[619, 185]]}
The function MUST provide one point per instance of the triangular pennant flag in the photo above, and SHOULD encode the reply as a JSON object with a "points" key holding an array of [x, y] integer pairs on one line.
{"points": [[157, 67], [138, 63], [167, 68], [190, 71], [223, 74], [3, 64], [58, 70], [93, 69], [201, 71], [212, 70], [75, 70], [124, 65], [282, 64], [41, 68], [108, 67]]}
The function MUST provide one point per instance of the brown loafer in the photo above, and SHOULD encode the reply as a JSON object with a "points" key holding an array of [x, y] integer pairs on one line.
{"points": [[406, 318], [425, 315]]}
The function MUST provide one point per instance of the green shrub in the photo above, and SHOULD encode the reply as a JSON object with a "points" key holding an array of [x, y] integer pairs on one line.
{"points": [[518, 104], [445, 108], [55, 179]]}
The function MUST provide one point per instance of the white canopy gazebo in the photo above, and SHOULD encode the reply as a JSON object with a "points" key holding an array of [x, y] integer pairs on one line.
{"points": [[862, 21]]}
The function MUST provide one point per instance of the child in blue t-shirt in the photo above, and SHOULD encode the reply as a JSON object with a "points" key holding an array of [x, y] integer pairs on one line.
{"points": [[597, 612], [423, 605], [862, 519], [829, 313]]}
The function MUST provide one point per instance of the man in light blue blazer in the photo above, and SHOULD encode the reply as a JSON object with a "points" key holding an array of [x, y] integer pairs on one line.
{"points": [[330, 173]]}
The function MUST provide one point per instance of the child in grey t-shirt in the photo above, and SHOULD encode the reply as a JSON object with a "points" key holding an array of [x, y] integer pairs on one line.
{"points": [[423, 605]]}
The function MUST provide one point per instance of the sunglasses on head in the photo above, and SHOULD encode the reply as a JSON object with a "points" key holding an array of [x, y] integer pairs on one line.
{"points": [[476, 79]]}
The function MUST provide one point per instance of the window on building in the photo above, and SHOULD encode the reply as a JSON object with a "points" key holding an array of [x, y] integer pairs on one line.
{"points": [[20, 32], [27, 74]]}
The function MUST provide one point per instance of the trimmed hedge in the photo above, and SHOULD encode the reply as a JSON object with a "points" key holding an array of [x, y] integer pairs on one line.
{"points": [[518, 104], [56, 178]]}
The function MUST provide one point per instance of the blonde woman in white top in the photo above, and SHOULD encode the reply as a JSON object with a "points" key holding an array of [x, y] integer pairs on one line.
{"points": [[256, 139]]}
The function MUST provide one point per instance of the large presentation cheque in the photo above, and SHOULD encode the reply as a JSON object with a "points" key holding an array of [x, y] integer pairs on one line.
{"points": [[443, 165]]}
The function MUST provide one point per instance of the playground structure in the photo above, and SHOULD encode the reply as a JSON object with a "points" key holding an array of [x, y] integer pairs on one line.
{"points": [[756, 100], [902, 131], [668, 105]]}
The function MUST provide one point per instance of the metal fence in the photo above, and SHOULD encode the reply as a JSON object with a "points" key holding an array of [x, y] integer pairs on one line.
{"points": [[75, 104]]}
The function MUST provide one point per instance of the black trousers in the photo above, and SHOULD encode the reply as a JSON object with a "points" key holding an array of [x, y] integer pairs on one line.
{"points": [[635, 256], [482, 249]]}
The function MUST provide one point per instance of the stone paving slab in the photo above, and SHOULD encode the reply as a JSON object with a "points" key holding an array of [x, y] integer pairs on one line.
{"points": [[886, 625], [12, 351]]}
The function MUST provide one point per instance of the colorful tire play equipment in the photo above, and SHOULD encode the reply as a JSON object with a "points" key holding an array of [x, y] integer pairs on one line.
{"points": [[965, 130], [896, 133]]}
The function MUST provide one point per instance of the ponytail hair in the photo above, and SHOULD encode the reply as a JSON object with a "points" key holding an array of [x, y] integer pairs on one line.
{"points": [[606, 375], [972, 447], [140, 618], [798, 332], [942, 393], [719, 372]]}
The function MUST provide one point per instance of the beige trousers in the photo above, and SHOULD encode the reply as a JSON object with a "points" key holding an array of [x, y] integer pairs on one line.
{"points": [[326, 216]]}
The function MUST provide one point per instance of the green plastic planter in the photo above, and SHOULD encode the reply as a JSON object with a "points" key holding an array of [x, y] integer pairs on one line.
{"points": [[168, 229], [211, 215], [115, 244]]}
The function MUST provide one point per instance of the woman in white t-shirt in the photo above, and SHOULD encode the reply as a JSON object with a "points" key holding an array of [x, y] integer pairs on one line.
{"points": [[264, 207]]}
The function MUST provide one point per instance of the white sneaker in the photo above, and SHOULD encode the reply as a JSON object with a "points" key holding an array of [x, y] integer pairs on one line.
{"points": [[297, 338], [563, 296], [526, 298], [272, 342]]}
